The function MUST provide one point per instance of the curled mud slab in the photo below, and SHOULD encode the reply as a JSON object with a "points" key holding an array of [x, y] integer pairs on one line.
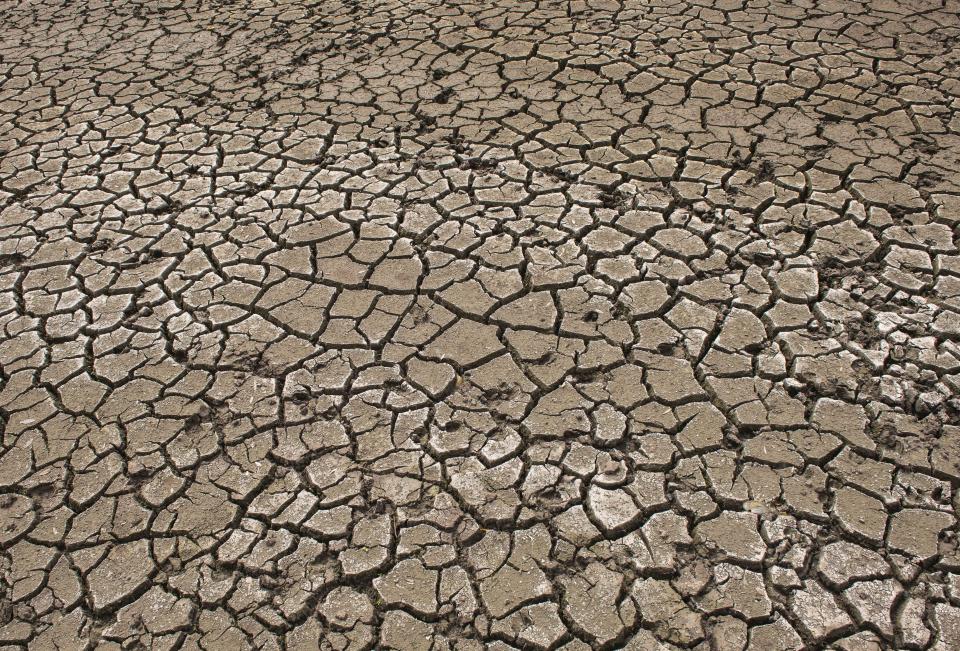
{"points": [[459, 326]]}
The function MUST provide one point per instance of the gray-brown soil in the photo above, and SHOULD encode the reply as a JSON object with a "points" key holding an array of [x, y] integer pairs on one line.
{"points": [[435, 325]]}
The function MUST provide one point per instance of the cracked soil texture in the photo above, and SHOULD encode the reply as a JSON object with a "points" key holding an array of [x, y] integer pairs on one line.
{"points": [[434, 325]]}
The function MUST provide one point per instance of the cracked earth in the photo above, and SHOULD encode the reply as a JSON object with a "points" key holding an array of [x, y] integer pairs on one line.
{"points": [[502, 325]]}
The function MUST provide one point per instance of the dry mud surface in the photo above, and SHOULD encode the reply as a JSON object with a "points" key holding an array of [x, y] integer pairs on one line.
{"points": [[503, 325]]}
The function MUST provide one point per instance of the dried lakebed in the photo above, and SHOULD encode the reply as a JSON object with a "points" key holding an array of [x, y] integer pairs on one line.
{"points": [[480, 325]]}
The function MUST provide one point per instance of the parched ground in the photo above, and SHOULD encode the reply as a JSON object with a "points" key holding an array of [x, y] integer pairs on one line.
{"points": [[436, 325]]}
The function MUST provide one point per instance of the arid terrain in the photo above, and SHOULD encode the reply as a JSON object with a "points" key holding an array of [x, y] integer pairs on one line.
{"points": [[447, 326]]}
